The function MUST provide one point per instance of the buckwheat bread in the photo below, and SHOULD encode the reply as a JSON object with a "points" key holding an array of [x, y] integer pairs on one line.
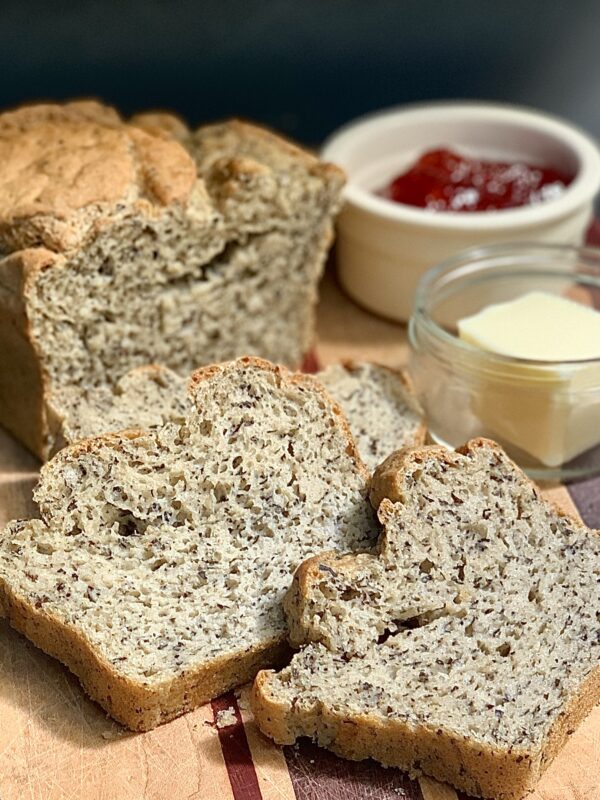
{"points": [[124, 246], [378, 403], [380, 406], [158, 567], [467, 648], [145, 397]]}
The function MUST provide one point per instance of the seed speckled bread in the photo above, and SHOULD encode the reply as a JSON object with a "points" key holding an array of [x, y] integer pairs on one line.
{"points": [[380, 406], [157, 570], [467, 649], [126, 246], [145, 397], [378, 403]]}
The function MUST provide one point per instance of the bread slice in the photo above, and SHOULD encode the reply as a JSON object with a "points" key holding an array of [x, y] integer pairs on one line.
{"points": [[380, 406], [157, 569], [124, 247], [145, 397], [467, 649]]}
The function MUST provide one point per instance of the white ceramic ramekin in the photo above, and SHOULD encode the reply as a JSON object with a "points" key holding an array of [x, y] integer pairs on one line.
{"points": [[383, 248]]}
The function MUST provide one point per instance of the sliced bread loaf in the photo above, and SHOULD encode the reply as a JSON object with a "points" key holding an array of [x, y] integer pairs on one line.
{"points": [[380, 406], [467, 649], [158, 567], [123, 247]]}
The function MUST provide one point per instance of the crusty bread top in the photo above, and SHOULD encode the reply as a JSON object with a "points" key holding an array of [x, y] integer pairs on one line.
{"points": [[222, 139], [161, 123], [67, 168], [62, 164]]}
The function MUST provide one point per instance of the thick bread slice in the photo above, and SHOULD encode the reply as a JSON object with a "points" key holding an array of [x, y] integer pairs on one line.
{"points": [[157, 570], [380, 406], [468, 649], [125, 246]]}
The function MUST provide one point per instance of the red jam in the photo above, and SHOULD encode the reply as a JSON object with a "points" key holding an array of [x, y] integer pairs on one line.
{"points": [[442, 180]]}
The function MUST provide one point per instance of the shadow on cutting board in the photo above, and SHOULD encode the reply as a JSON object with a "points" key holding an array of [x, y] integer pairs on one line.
{"points": [[39, 688]]}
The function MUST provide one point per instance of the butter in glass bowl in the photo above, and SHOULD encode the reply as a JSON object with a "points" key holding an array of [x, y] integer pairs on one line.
{"points": [[506, 344], [554, 424]]}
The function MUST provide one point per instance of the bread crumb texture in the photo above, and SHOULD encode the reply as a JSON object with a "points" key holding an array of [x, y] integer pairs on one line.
{"points": [[380, 405], [467, 649], [157, 570], [145, 397]]}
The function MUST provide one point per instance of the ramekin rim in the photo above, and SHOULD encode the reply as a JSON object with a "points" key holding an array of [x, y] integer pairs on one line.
{"points": [[581, 191]]}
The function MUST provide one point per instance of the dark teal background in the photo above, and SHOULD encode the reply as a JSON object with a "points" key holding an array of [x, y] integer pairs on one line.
{"points": [[307, 66]]}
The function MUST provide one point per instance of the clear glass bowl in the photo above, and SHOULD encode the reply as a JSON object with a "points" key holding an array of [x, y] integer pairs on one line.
{"points": [[545, 414]]}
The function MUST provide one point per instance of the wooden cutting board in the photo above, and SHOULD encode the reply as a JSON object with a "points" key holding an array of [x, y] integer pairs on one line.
{"points": [[56, 745]]}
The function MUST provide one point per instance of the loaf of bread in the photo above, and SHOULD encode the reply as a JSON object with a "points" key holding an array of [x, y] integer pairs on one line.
{"points": [[157, 570], [378, 403], [380, 406], [467, 649], [130, 244]]}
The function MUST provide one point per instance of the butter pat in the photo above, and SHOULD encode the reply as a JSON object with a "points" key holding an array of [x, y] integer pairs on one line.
{"points": [[550, 410], [537, 326]]}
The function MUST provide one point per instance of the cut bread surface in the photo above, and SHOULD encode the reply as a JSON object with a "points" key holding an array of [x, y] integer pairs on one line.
{"points": [[157, 570], [145, 397], [466, 649], [380, 405], [377, 402]]}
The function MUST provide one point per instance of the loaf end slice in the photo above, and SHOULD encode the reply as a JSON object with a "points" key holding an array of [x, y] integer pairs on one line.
{"points": [[158, 567], [467, 648], [380, 405]]}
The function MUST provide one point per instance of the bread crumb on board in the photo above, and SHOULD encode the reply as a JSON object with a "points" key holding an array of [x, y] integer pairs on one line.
{"points": [[226, 717], [113, 733], [241, 695]]}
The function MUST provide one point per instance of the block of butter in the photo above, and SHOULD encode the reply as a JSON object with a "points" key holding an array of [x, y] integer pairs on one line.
{"points": [[551, 409]]}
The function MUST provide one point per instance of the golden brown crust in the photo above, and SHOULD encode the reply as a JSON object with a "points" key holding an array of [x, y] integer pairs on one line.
{"points": [[444, 756], [261, 144], [66, 166], [483, 771], [139, 706], [24, 413], [161, 123], [389, 477]]}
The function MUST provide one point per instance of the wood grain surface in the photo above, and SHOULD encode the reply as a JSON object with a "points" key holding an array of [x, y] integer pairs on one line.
{"points": [[55, 744]]}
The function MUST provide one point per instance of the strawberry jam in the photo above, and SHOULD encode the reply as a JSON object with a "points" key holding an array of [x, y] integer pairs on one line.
{"points": [[443, 180]]}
